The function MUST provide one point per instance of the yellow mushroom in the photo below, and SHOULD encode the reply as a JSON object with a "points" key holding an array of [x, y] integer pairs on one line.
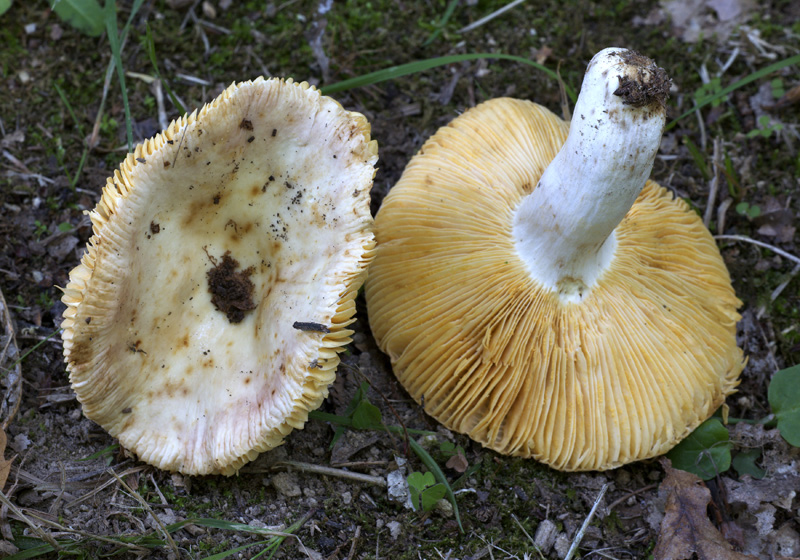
{"points": [[536, 292]]}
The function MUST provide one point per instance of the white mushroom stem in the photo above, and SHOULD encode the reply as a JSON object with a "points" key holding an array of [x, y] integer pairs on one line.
{"points": [[564, 230]]}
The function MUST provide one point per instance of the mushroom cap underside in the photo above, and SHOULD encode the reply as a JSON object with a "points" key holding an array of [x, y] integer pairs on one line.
{"points": [[624, 375], [205, 318]]}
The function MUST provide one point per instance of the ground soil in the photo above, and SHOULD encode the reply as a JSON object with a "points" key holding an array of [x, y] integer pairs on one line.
{"points": [[69, 484]]}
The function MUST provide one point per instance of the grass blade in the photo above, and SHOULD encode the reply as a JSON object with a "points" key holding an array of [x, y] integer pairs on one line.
{"points": [[35, 552], [736, 85], [422, 65], [451, 6], [151, 53], [115, 39], [221, 555], [74, 181], [116, 54]]}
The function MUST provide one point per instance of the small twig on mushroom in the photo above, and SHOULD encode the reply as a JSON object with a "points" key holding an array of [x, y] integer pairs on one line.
{"points": [[330, 471], [579, 536], [772, 248]]}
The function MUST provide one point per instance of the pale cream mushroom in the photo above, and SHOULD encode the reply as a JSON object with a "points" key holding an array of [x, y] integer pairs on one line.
{"points": [[204, 321], [535, 291]]}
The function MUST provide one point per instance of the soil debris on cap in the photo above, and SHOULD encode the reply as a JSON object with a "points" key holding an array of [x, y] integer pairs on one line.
{"points": [[231, 289]]}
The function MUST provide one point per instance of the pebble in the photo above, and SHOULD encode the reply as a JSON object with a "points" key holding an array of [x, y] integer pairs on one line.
{"points": [[562, 545], [545, 535], [397, 486], [394, 529], [445, 508], [286, 485]]}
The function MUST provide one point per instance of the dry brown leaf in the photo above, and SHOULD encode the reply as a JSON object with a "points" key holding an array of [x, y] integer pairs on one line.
{"points": [[5, 465], [457, 462], [686, 529]]}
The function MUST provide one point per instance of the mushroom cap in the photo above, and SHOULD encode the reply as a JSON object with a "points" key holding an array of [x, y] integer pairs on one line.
{"points": [[205, 318], [621, 376]]}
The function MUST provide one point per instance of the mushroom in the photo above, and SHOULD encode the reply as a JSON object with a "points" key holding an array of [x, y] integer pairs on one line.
{"points": [[206, 316], [535, 291]]}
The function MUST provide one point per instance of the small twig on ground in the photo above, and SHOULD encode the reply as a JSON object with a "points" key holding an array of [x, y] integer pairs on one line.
{"points": [[102, 486], [356, 536], [27, 520], [360, 464], [713, 186], [86, 535], [721, 211], [158, 92], [618, 501], [13, 395], [533, 542], [772, 248], [601, 552], [562, 92], [490, 17], [579, 536], [329, 471], [149, 510], [777, 291]]}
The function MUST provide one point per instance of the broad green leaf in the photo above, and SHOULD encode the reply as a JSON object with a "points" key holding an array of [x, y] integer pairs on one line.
{"points": [[745, 463], [705, 452], [431, 495], [84, 15], [366, 416], [4, 6], [784, 398], [425, 491]]}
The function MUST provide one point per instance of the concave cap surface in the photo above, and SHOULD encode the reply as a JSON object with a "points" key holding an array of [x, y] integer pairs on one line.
{"points": [[205, 318], [620, 376]]}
